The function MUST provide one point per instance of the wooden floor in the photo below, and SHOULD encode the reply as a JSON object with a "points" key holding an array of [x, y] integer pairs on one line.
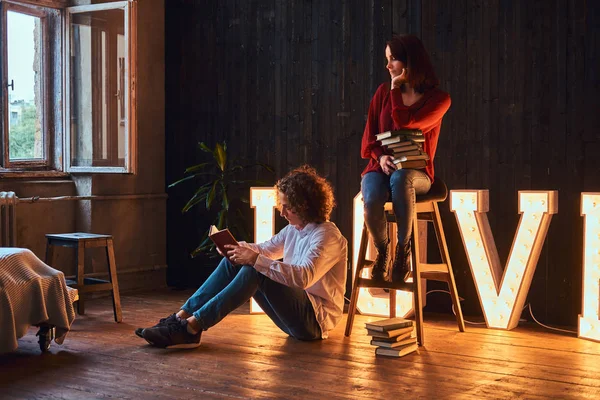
{"points": [[246, 356]]}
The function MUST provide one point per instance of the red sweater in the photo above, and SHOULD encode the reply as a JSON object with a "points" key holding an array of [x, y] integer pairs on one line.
{"points": [[388, 112]]}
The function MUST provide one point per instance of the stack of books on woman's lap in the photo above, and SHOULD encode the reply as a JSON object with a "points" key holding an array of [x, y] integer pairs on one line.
{"points": [[406, 146], [393, 336]]}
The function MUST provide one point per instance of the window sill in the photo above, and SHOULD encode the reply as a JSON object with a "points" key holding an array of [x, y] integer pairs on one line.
{"points": [[19, 174]]}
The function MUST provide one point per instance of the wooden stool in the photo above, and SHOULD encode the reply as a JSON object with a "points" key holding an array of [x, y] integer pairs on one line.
{"points": [[426, 208], [82, 241]]}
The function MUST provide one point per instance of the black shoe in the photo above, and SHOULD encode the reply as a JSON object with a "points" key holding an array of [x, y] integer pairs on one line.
{"points": [[172, 336], [401, 266], [163, 321], [380, 271]]}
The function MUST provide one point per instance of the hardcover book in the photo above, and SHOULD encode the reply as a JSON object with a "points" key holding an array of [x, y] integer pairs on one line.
{"points": [[392, 345], [398, 132], [399, 338], [220, 238], [388, 324], [414, 164], [398, 351], [389, 334]]}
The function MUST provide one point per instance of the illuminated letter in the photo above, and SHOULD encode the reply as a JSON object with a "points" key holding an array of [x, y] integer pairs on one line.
{"points": [[502, 295], [262, 199], [589, 323]]}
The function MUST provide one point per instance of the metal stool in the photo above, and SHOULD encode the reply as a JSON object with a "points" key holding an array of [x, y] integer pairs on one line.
{"points": [[426, 208], [81, 241]]}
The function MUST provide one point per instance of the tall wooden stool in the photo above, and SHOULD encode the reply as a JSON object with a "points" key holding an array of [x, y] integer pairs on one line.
{"points": [[426, 208], [80, 242]]}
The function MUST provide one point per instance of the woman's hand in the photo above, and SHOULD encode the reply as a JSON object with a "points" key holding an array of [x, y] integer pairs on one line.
{"points": [[386, 164], [397, 81], [240, 255]]}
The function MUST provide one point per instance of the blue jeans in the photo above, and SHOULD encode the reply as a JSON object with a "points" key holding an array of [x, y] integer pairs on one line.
{"points": [[402, 186], [230, 286]]}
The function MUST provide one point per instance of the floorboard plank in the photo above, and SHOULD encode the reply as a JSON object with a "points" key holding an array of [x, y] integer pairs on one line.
{"points": [[247, 356]]}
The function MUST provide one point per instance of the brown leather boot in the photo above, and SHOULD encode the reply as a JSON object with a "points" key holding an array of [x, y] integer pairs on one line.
{"points": [[380, 271], [401, 266]]}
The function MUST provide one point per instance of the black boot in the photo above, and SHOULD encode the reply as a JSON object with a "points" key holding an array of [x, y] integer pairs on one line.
{"points": [[401, 266], [380, 270]]}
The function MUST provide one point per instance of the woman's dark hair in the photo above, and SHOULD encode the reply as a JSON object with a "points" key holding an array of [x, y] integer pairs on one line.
{"points": [[410, 50], [309, 194]]}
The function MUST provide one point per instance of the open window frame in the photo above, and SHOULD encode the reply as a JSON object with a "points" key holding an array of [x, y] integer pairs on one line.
{"points": [[45, 161], [127, 91]]}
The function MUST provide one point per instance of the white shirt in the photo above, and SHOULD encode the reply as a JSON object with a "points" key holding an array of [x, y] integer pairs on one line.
{"points": [[314, 259]]}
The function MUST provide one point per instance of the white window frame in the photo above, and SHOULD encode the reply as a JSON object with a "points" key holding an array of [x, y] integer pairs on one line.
{"points": [[129, 8], [31, 164]]}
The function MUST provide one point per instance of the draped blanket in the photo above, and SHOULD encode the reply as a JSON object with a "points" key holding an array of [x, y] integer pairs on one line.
{"points": [[31, 293]]}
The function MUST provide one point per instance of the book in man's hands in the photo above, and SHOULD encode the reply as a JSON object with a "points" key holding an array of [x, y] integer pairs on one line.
{"points": [[220, 238], [388, 324], [398, 351]]}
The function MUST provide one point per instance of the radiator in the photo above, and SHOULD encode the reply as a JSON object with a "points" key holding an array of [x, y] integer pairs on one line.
{"points": [[8, 219]]}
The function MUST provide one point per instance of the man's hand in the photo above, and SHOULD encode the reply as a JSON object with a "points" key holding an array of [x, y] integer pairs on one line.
{"points": [[240, 255], [387, 166]]}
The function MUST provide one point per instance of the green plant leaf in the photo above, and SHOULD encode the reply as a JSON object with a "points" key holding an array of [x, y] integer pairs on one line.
{"points": [[225, 202], [201, 249], [187, 178], [211, 194], [192, 202], [196, 167], [259, 164], [202, 146], [220, 156], [222, 217]]}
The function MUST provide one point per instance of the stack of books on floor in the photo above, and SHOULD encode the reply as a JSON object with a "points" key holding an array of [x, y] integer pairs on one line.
{"points": [[406, 146], [393, 337]]}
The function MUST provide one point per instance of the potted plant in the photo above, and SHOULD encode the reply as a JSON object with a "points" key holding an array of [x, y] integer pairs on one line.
{"points": [[220, 179]]}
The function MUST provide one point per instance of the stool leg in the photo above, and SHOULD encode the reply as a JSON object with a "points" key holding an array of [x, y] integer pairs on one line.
{"points": [[80, 277], [110, 255], [49, 253], [417, 296], [355, 288], [441, 238]]}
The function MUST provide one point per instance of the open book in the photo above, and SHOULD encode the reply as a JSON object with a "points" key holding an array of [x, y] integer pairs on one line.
{"points": [[220, 238]]}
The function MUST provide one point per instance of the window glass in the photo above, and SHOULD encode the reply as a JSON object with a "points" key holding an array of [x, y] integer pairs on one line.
{"points": [[26, 83], [98, 118]]}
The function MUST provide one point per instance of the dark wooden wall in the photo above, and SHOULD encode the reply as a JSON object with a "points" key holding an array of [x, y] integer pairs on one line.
{"points": [[289, 82]]}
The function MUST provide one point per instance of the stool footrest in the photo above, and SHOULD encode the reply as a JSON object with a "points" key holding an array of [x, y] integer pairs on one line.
{"points": [[90, 285], [436, 276], [369, 283], [423, 267]]}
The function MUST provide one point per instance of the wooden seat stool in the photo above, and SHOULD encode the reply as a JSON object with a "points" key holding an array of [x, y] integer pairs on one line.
{"points": [[426, 208], [80, 242]]}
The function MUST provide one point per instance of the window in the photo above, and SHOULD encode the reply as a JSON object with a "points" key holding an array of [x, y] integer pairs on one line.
{"points": [[25, 135], [100, 88], [68, 86]]}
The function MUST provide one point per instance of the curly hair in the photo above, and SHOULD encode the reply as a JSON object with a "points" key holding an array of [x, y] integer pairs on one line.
{"points": [[309, 194]]}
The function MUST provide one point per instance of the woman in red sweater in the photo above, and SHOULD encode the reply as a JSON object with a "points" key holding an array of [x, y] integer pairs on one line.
{"points": [[410, 101]]}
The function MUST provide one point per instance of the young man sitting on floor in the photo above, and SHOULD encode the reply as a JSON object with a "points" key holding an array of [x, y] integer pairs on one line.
{"points": [[303, 294]]}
